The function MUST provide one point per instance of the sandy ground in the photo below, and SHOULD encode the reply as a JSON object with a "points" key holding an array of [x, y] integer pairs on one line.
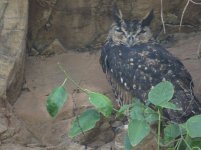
{"points": [[43, 74]]}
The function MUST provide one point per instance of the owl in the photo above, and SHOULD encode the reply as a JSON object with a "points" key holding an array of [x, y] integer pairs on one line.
{"points": [[134, 62]]}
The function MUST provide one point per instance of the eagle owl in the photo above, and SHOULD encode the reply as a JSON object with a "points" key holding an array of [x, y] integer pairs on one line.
{"points": [[133, 62]]}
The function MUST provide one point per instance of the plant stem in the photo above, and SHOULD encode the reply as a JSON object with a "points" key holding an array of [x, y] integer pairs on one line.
{"points": [[68, 77], [178, 144], [64, 82], [186, 144], [184, 139], [159, 129]]}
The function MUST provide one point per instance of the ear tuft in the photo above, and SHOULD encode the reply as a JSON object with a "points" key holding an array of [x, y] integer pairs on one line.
{"points": [[117, 15], [148, 18]]}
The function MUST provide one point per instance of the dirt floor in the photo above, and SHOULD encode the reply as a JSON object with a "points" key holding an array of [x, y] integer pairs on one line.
{"points": [[43, 74]]}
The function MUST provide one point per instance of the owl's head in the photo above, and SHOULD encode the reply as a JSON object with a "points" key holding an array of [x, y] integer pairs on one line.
{"points": [[130, 32]]}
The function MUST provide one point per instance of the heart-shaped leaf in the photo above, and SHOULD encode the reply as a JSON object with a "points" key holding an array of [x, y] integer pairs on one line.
{"points": [[150, 115], [137, 111], [172, 131], [161, 93], [193, 126], [137, 131], [86, 121], [101, 102]]}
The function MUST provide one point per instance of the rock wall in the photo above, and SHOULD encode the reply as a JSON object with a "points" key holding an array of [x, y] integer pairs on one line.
{"points": [[13, 29], [83, 24]]}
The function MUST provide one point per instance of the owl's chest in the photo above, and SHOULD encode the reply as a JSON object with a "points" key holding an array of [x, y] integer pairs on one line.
{"points": [[141, 57], [140, 67]]}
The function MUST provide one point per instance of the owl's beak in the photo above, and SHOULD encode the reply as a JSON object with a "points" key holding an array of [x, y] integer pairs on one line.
{"points": [[130, 40]]}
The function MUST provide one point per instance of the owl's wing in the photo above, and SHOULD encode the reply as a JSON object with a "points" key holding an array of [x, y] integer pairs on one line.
{"points": [[140, 67]]}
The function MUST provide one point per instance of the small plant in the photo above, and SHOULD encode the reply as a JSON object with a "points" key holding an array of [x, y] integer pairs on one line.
{"points": [[172, 136]]}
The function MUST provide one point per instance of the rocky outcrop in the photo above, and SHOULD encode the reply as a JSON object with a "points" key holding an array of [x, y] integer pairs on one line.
{"points": [[83, 24], [13, 29]]}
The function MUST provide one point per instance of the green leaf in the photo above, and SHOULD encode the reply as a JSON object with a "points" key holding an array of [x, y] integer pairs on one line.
{"points": [[122, 110], [169, 105], [150, 115], [56, 100], [162, 92], [140, 112], [183, 128], [86, 121], [195, 143], [101, 102], [127, 143], [172, 131], [137, 111], [193, 126], [137, 131]]}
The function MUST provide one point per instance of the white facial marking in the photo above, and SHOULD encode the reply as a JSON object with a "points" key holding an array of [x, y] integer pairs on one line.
{"points": [[131, 59], [120, 54], [139, 66], [131, 64], [145, 68], [134, 86]]}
